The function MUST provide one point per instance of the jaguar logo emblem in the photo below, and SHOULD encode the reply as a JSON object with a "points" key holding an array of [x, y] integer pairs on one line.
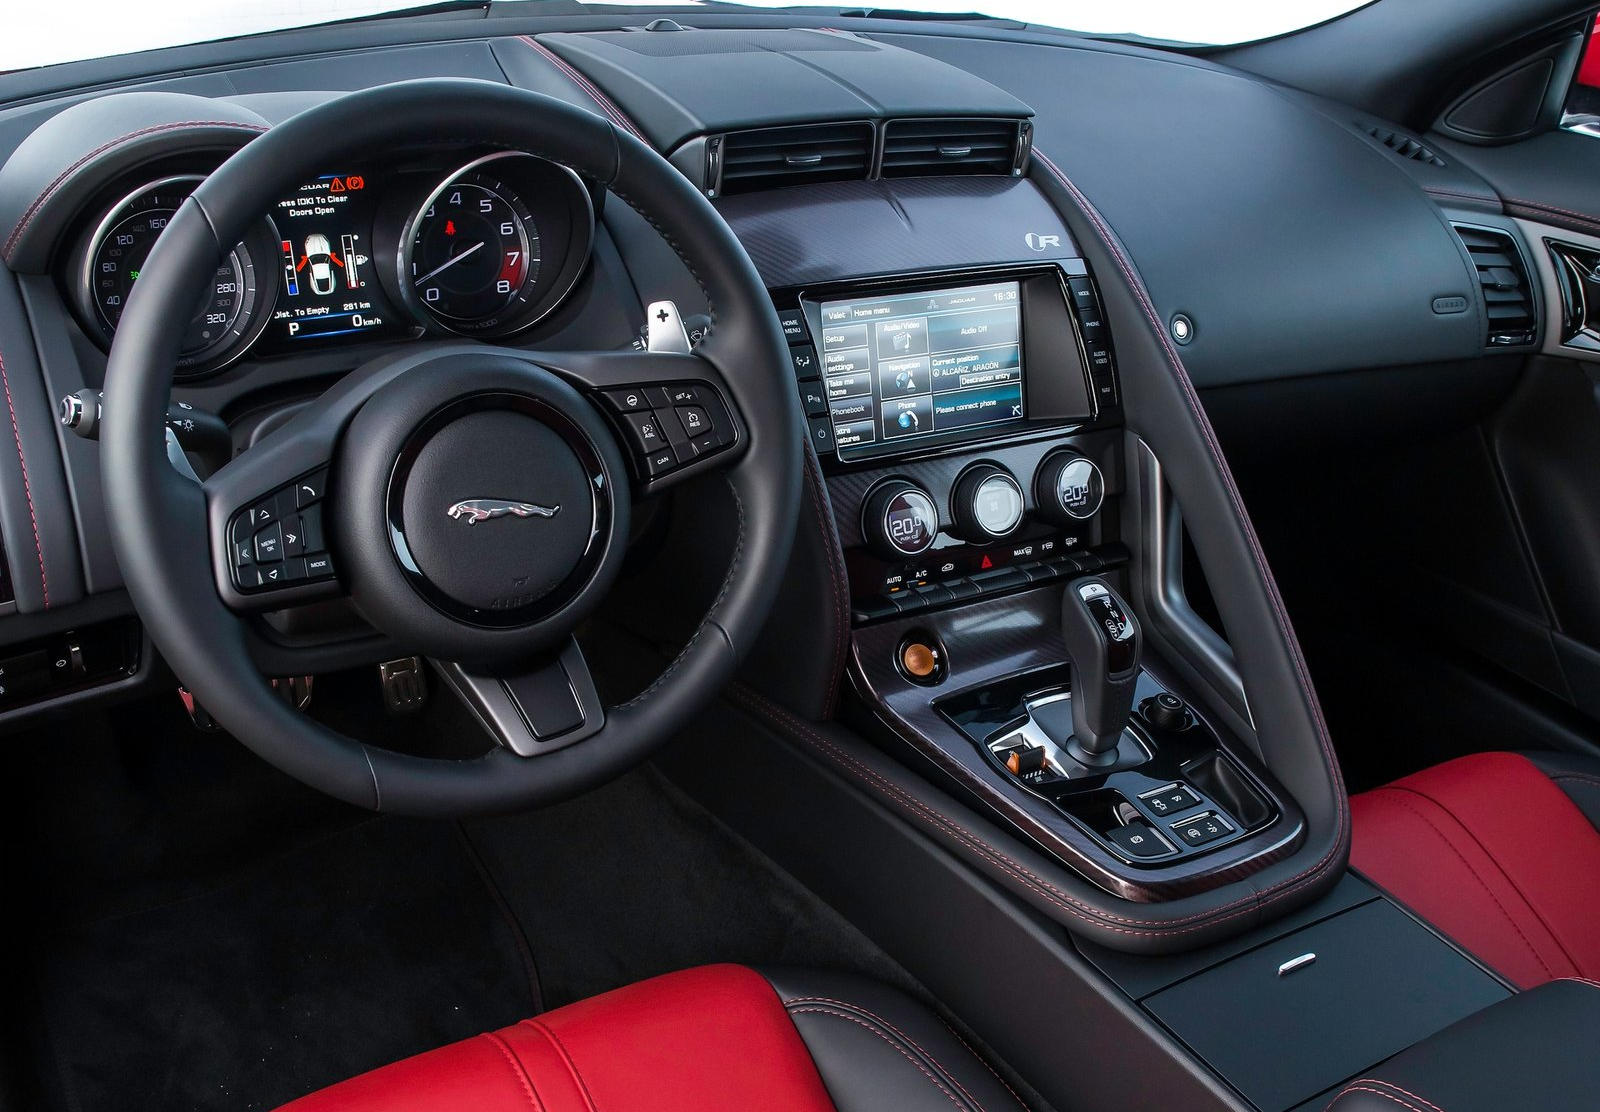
{"points": [[474, 510]]}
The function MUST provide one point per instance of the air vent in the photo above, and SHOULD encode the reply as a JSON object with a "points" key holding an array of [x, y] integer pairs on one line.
{"points": [[1403, 145], [1507, 298], [779, 156], [913, 148]]}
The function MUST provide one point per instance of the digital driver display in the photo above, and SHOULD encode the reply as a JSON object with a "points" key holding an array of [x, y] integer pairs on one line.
{"points": [[327, 275], [902, 366]]}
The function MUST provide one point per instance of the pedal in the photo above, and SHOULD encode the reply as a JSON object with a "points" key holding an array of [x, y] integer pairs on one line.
{"points": [[294, 690], [199, 717], [405, 685]]}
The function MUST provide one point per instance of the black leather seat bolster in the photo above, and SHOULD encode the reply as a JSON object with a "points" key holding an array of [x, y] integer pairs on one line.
{"points": [[1534, 1050], [877, 1049], [1578, 775]]}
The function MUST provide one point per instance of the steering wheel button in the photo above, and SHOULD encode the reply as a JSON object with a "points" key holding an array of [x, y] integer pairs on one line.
{"points": [[294, 570], [272, 576], [647, 430], [683, 394], [310, 489], [696, 421], [311, 527], [269, 544], [659, 463], [319, 566], [630, 399]]}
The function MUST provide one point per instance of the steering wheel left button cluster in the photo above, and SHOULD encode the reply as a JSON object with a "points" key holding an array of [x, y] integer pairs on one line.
{"points": [[279, 540], [672, 425]]}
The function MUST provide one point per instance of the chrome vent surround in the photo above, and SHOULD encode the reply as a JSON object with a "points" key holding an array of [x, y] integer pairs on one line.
{"points": [[1503, 275]]}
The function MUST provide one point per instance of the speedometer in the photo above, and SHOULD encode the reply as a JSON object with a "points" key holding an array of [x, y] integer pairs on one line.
{"points": [[122, 243]]}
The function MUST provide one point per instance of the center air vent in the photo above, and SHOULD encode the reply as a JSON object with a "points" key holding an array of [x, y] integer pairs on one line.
{"points": [[1404, 145], [1507, 298], [779, 156], [923, 147]]}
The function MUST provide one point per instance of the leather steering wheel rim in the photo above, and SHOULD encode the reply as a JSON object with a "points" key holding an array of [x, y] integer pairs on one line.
{"points": [[158, 518]]}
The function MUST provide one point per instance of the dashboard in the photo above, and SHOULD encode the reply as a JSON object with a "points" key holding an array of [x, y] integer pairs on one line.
{"points": [[485, 245]]}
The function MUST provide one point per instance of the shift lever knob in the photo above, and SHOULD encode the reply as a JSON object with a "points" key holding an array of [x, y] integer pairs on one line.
{"points": [[1103, 643]]}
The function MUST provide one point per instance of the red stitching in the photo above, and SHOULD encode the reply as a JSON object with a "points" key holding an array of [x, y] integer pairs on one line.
{"points": [[859, 1022], [1504, 872], [517, 1066], [907, 1039], [1451, 846], [836, 575], [596, 94], [1588, 218], [1358, 1087], [566, 1058], [1041, 887], [27, 487], [986, 1065], [49, 190], [1108, 238]]}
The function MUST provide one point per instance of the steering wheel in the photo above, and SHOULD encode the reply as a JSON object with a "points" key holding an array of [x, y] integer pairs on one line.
{"points": [[475, 504]]}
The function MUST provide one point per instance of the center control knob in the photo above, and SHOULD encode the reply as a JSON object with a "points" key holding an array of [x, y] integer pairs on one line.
{"points": [[899, 520], [987, 503], [1069, 489]]}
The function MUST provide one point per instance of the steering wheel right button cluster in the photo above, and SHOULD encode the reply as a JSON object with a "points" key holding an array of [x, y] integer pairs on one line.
{"points": [[672, 425]]}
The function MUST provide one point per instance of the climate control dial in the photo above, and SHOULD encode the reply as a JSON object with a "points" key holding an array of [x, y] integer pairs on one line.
{"points": [[987, 503], [899, 520], [1069, 488]]}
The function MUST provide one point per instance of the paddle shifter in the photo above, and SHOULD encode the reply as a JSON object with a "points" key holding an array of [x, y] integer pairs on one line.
{"points": [[1102, 639]]}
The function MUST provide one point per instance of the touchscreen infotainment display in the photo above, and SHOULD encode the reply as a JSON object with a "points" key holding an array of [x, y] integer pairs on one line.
{"points": [[902, 366]]}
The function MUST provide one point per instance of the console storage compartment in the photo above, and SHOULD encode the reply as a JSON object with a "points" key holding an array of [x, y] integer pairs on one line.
{"points": [[1303, 1013]]}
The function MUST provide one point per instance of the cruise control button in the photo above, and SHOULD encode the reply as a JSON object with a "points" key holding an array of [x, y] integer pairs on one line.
{"points": [[648, 431], [659, 463], [269, 544], [696, 421], [683, 394], [630, 399]]}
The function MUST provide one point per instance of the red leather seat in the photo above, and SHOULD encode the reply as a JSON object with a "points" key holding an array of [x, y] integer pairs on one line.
{"points": [[1499, 853], [721, 1038]]}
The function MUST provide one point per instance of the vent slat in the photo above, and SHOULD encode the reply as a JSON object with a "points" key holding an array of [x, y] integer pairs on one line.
{"points": [[770, 158], [1403, 145], [926, 147], [1503, 282]]}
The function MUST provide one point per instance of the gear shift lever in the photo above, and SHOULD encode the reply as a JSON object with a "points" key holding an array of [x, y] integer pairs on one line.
{"points": [[1102, 639]]}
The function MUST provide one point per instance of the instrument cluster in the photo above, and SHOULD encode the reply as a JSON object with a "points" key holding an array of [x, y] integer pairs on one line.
{"points": [[485, 247]]}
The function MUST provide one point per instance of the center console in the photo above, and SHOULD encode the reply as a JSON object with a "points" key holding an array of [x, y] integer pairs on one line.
{"points": [[968, 423]]}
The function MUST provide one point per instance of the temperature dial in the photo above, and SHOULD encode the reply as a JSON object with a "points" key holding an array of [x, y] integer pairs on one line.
{"points": [[899, 520], [1069, 488], [986, 503]]}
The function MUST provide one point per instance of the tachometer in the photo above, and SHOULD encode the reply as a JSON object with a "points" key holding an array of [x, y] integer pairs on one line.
{"points": [[497, 246], [472, 260], [230, 314]]}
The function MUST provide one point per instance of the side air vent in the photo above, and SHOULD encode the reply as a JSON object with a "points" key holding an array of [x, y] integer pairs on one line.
{"points": [[1507, 297], [1404, 145], [778, 156], [913, 148]]}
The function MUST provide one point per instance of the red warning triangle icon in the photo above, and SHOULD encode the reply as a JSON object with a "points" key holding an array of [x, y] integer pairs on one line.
{"points": [[985, 563]]}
